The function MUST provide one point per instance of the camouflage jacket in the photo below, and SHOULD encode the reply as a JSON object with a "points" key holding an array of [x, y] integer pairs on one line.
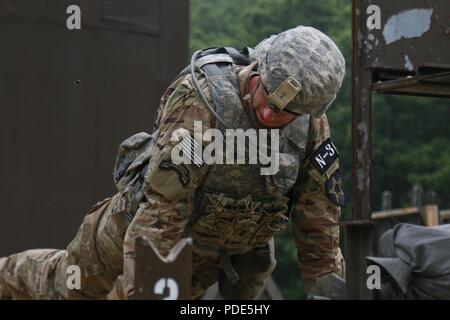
{"points": [[167, 213]]}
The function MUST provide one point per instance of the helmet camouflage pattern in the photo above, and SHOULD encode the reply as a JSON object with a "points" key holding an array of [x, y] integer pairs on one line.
{"points": [[302, 69]]}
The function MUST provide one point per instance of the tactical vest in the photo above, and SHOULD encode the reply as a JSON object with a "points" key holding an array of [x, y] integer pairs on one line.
{"points": [[237, 208]]}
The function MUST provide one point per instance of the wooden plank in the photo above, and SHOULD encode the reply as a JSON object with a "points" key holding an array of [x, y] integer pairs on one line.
{"points": [[378, 215]]}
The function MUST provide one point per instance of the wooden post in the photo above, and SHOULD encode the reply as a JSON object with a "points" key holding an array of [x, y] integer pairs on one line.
{"points": [[430, 215], [159, 278]]}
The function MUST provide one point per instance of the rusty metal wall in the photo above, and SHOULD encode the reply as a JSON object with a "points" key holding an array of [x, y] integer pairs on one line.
{"points": [[407, 53], [68, 98], [412, 35]]}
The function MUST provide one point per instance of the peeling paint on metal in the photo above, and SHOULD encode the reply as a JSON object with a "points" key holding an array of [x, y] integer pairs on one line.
{"points": [[368, 43], [371, 43], [364, 132], [359, 155], [362, 128], [360, 42], [360, 179], [407, 24], [408, 64]]}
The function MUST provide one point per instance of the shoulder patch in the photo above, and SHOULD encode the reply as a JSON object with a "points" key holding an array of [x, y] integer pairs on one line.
{"points": [[183, 172], [335, 190], [324, 156]]}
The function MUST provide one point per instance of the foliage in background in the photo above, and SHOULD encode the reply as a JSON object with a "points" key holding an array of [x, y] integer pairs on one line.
{"points": [[411, 147], [410, 135]]}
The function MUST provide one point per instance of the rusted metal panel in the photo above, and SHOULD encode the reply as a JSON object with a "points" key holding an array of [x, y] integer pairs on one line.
{"points": [[361, 115], [405, 51], [434, 85], [412, 34], [391, 59], [68, 98], [358, 245], [135, 16]]}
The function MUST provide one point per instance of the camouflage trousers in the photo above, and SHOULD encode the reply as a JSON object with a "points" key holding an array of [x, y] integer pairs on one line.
{"points": [[97, 250]]}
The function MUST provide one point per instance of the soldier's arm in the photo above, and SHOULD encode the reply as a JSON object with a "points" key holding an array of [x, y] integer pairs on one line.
{"points": [[317, 212], [169, 188]]}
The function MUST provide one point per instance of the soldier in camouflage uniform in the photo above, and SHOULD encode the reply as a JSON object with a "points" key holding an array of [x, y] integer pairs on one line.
{"points": [[231, 211]]}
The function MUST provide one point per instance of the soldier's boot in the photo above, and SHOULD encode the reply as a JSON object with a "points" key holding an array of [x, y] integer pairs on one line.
{"points": [[87, 269], [253, 269]]}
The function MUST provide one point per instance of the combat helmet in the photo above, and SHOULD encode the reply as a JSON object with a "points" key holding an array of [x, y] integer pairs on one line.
{"points": [[302, 70]]}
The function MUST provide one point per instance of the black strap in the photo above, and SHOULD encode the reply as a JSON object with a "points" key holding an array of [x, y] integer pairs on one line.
{"points": [[219, 69], [228, 267], [241, 58]]}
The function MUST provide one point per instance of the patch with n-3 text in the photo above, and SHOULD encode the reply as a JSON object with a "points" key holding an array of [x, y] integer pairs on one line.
{"points": [[324, 156]]}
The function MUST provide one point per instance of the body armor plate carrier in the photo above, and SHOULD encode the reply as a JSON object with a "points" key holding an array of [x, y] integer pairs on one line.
{"points": [[236, 207]]}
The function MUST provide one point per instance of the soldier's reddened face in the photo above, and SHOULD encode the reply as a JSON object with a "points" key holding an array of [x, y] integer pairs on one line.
{"points": [[269, 116]]}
